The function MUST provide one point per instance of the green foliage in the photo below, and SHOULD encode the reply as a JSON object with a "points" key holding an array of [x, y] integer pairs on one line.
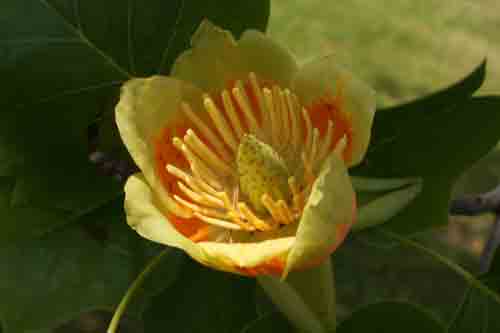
{"points": [[435, 138], [478, 311], [269, 323], [55, 278], [64, 245], [389, 317], [202, 300]]}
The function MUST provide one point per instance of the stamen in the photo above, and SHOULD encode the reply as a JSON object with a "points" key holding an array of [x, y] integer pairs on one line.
{"points": [[218, 222], [341, 145], [254, 83], [295, 135], [242, 99], [284, 212], [273, 120], [271, 207], [297, 198], [231, 113], [198, 167], [173, 170], [206, 132], [201, 198], [314, 146], [285, 125], [252, 218], [237, 218], [326, 143], [214, 161], [307, 120], [278, 112], [201, 210], [297, 108], [308, 172], [220, 123]]}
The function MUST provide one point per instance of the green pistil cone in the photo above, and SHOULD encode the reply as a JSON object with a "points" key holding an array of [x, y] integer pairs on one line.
{"points": [[261, 170]]}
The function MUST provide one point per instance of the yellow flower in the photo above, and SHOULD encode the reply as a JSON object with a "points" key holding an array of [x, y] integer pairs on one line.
{"points": [[244, 155]]}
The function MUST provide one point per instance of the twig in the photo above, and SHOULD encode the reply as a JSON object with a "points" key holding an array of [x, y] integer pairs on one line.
{"points": [[490, 247], [488, 202], [474, 205]]}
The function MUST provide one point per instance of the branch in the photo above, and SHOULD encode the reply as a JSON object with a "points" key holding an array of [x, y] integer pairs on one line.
{"points": [[474, 205], [488, 202]]}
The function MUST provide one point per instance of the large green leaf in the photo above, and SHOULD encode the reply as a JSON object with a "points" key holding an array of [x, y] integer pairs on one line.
{"points": [[203, 300], [53, 279], [436, 138], [273, 322], [480, 312], [61, 65], [390, 317]]}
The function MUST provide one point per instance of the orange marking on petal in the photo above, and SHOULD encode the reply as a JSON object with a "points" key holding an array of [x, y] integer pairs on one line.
{"points": [[274, 266], [342, 231], [191, 228], [201, 234], [167, 153], [329, 107]]}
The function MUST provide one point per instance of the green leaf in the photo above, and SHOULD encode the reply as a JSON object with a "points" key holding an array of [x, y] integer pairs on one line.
{"points": [[202, 300], [48, 281], [389, 317], [379, 199], [273, 322], [388, 119], [61, 68], [479, 312], [436, 143]]}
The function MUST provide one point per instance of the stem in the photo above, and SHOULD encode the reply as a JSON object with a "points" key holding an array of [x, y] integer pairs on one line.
{"points": [[306, 298], [131, 291]]}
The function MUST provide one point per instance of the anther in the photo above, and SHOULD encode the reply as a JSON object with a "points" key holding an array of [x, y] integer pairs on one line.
{"points": [[242, 99], [220, 123], [206, 131]]}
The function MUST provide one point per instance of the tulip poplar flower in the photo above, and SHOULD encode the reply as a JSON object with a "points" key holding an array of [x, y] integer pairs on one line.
{"points": [[244, 155]]}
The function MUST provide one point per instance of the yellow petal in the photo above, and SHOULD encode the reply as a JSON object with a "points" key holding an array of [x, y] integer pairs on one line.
{"points": [[145, 217], [324, 75], [216, 59], [234, 256], [268, 59], [327, 216], [146, 106]]}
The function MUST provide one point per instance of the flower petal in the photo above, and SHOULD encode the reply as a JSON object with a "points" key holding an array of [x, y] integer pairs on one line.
{"points": [[236, 257], [146, 107], [145, 217], [324, 76], [327, 216], [268, 59], [217, 59]]}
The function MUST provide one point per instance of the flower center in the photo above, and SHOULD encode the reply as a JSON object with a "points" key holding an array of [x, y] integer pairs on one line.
{"points": [[261, 172], [248, 162]]}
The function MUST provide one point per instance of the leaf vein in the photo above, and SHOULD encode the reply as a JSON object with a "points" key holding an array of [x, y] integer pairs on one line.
{"points": [[107, 58], [166, 51], [70, 92], [130, 41]]}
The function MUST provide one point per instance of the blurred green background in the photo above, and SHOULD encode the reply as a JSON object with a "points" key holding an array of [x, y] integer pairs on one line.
{"points": [[402, 48]]}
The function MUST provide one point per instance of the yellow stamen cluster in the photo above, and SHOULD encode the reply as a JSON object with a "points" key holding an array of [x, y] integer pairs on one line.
{"points": [[211, 187]]}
